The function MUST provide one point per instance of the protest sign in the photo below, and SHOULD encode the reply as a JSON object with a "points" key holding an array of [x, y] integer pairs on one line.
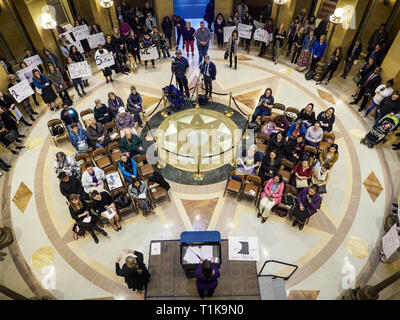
{"points": [[104, 60], [21, 91], [228, 32], [25, 74], [262, 35], [390, 242], [148, 53], [79, 70], [33, 61], [67, 36], [96, 39], [245, 31], [258, 25], [81, 32]]}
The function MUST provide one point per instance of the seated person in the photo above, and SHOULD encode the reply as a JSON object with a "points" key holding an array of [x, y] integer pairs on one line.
{"points": [[80, 213], [128, 167], [131, 143], [103, 202], [307, 115], [138, 191], [314, 135], [281, 123], [330, 155], [67, 164], [321, 177], [277, 143], [92, 178], [114, 103], [69, 116], [71, 185], [308, 202], [249, 162], [270, 166], [265, 105], [78, 139], [327, 119], [269, 128], [271, 196], [101, 112], [294, 149], [124, 121], [302, 172], [97, 134], [297, 128], [134, 105]]}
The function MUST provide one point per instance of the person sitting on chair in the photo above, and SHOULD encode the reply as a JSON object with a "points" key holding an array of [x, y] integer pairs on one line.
{"points": [[294, 149], [67, 164], [101, 112], [138, 191], [270, 166], [134, 105], [314, 135], [207, 275], [302, 172], [69, 116], [102, 202], [271, 196], [78, 139], [308, 202], [330, 155], [265, 105], [209, 72], [250, 161], [321, 177], [125, 121], [131, 143], [71, 185], [92, 178], [128, 167], [97, 134]]}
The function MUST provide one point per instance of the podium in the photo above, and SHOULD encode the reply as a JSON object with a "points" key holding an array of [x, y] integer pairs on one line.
{"points": [[198, 239]]}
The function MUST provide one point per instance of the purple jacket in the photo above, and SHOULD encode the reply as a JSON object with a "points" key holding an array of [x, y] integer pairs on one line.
{"points": [[204, 284], [125, 122], [311, 207]]}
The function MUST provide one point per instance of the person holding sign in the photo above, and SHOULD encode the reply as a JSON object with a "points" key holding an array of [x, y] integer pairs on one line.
{"points": [[7, 103], [25, 103], [76, 56], [104, 206], [84, 42], [269, 27], [8, 134], [23, 66], [77, 81], [43, 87], [147, 42], [58, 82], [107, 72], [28, 54], [248, 20]]}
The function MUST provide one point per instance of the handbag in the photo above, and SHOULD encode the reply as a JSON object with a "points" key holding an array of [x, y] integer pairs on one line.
{"points": [[11, 136], [357, 77], [38, 90], [121, 201], [226, 55]]}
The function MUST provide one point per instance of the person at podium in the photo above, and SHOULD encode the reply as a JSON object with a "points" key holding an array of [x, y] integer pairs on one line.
{"points": [[206, 275]]}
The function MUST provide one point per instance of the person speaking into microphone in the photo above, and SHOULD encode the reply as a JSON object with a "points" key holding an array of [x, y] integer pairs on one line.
{"points": [[207, 275], [209, 72]]}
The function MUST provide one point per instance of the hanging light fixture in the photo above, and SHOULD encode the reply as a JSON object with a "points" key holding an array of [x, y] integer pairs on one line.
{"points": [[338, 16], [47, 21], [107, 4], [280, 2]]}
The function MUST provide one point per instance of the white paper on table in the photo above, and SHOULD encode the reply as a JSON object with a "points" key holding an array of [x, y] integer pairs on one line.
{"points": [[142, 196], [206, 252], [155, 248], [87, 220], [243, 248], [190, 256]]}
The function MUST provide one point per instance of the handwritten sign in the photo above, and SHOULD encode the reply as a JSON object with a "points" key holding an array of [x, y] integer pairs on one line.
{"points": [[258, 24], [81, 32], [79, 70], [68, 37], [78, 46], [245, 31], [104, 60], [149, 53], [228, 32], [21, 91], [68, 27], [96, 39], [263, 35], [25, 74], [33, 61], [390, 242]]}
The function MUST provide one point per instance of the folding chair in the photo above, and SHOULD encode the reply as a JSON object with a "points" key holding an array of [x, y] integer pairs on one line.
{"points": [[233, 186], [251, 189], [101, 158], [55, 122], [145, 170]]}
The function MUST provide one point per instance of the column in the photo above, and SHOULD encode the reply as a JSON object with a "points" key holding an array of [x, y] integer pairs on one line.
{"points": [[101, 16], [390, 66], [163, 8], [225, 7], [3, 80]]}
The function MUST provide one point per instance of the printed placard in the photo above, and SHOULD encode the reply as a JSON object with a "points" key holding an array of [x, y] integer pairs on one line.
{"points": [[263, 35], [96, 39], [33, 61], [148, 53], [228, 32], [81, 32], [68, 36], [104, 60], [25, 74], [245, 31], [79, 70], [258, 24], [68, 27], [243, 248], [21, 91], [390, 242]]}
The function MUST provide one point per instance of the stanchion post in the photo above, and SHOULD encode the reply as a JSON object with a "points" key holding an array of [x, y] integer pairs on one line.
{"points": [[245, 136], [229, 112], [159, 164], [149, 136], [198, 175], [234, 162], [164, 113], [197, 105]]}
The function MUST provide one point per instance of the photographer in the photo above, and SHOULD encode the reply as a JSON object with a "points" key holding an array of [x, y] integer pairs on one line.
{"points": [[209, 72], [180, 66]]}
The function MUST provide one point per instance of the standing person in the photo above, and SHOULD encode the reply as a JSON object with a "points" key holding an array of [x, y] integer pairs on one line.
{"points": [[180, 25], [138, 27], [148, 9], [310, 24], [107, 72], [77, 82], [28, 54], [269, 27], [133, 46], [242, 9], [302, 16], [209, 72], [381, 92], [389, 105], [166, 27], [134, 270], [64, 46], [7, 124], [233, 47], [138, 191], [25, 103], [323, 27], [182, 68], [188, 38], [352, 54], [203, 37], [7, 103], [50, 57], [43, 86], [293, 28], [308, 45], [376, 54], [150, 22], [271, 196], [76, 56], [164, 45], [333, 64], [209, 14], [58, 82], [280, 36], [23, 65], [248, 20], [219, 25], [147, 42], [317, 52], [298, 44], [236, 18], [134, 105], [155, 37], [124, 29], [377, 37], [206, 275], [367, 87]]}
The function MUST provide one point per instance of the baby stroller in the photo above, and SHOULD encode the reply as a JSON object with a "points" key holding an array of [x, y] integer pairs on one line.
{"points": [[380, 130], [173, 95]]}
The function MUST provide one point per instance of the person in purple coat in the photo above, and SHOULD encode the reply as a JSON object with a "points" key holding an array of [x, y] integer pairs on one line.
{"points": [[206, 275], [308, 203]]}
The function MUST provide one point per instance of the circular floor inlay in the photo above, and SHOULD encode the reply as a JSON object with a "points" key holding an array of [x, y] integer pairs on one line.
{"points": [[42, 257], [357, 247]]}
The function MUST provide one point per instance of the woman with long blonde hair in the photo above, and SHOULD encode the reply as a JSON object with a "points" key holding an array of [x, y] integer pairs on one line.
{"points": [[134, 270]]}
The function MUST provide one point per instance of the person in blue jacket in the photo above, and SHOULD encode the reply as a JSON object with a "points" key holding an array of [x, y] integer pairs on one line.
{"points": [[69, 116], [318, 52], [265, 105], [128, 167], [297, 128], [78, 138]]}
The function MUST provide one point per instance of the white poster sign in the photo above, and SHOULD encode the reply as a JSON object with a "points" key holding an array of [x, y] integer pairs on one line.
{"points": [[263, 35], [245, 31], [67, 36], [33, 61], [148, 53], [78, 46], [96, 39], [390, 242], [228, 32], [113, 181], [243, 248], [79, 70], [25, 74], [68, 27], [21, 91], [81, 32], [258, 24], [104, 60]]}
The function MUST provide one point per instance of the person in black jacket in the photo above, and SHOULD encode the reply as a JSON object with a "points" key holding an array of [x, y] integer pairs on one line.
{"points": [[219, 25], [180, 25], [209, 72], [134, 270], [389, 105], [71, 185], [277, 143], [333, 64], [166, 26], [209, 14], [270, 166], [352, 54], [294, 149], [327, 119], [7, 103], [367, 87]]}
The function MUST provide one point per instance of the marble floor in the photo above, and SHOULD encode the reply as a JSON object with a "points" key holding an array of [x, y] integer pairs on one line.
{"points": [[339, 246]]}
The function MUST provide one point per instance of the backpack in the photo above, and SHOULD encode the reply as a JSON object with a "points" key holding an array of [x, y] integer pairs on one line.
{"points": [[310, 74], [289, 200], [203, 99], [281, 213], [78, 232], [158, 178], [57, 130], [121, 201]]}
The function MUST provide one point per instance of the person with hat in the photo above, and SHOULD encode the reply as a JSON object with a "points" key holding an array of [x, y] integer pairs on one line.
{"points": [[134, 270], [124, 121], [181, 70]]}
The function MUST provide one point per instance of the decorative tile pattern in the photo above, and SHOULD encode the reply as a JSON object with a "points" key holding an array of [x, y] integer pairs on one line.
{"points": [[357, 247], [200, 212], [303, 295], [22, 197], [373, 186], [241, 57], [326, 96], [249, 99], [148, 101], [42, 258], [34, 143]]}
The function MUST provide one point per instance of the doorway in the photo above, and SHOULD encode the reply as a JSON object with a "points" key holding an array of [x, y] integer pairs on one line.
{"points": [[190, 9]]}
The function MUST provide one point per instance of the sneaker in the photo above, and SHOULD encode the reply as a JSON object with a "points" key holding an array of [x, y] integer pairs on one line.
{"points": [[21, 147], [263, 220], [14, 152], [353, 102], [33, 112]]}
